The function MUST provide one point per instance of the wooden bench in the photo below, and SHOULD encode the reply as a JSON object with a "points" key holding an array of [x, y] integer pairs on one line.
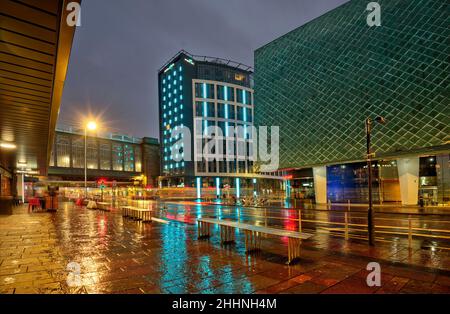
{"points": [[103, 206], [137, 213], [252, 235]]}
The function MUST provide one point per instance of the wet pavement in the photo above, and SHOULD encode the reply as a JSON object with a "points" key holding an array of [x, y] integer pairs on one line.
{"points": [[76, 250]]}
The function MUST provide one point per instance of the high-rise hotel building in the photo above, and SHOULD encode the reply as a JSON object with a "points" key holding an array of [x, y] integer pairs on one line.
{"points": [[209, 97]]}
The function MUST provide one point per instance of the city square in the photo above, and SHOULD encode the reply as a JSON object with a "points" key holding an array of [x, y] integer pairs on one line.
{"points": [[230, 156]]}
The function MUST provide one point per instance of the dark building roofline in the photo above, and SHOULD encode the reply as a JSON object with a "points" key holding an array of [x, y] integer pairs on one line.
{"points": [[226, 62]]}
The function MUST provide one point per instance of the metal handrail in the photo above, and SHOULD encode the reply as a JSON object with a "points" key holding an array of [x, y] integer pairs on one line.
{"points": [[348, 226]]}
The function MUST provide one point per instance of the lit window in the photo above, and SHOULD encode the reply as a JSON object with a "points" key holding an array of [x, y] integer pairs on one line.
{"points": [[170, 95], [181, 97], [170, 103], [168, 77], [164, 98], [175, 100], [164, 90], [181, 117], [180, 68], [175, 81], [170, 86], [239, 77], [181, 87], [181, 78]]}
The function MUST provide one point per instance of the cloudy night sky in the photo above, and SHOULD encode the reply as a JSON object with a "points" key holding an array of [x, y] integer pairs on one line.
{"points": [[121, 44]]}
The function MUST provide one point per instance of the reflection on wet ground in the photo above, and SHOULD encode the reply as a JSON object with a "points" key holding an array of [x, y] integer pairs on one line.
{"points": [[116, 255]]}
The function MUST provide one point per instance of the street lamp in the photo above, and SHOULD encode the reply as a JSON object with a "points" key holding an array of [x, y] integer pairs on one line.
{"points": [[91, 126], [370, 218]]}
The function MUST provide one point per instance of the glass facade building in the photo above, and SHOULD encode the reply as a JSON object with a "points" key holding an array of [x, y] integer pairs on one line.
{"points": [[322, 80], [111, 156], [208, 97]]}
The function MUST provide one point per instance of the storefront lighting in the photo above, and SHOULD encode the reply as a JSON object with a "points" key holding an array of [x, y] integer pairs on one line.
{"points": [[8, 145]]}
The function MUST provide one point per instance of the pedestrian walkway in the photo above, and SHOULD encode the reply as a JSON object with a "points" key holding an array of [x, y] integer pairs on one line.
{"points": [[107, 254]]}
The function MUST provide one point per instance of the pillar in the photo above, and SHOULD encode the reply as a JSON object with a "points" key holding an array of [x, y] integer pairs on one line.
{"points": [[443, 178], [408, 173], [20, 187], [320, 184]]}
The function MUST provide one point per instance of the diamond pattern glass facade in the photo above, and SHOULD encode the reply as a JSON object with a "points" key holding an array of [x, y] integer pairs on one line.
{"points": [[320, 81]]}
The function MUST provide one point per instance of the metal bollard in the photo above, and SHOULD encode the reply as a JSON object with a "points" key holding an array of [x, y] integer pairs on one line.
{"points": [[299, 221], [409, 232], [346, 225]]}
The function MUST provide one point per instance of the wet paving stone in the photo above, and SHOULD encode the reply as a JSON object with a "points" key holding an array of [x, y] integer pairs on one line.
{"points": [[120, 256]]}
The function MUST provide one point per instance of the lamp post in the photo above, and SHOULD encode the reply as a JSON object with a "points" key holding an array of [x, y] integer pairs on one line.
{"points": [[91, 125], [370, 216]]}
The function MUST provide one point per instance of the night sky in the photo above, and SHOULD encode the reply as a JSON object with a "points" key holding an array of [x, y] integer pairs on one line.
{"points": [[121, 44]]}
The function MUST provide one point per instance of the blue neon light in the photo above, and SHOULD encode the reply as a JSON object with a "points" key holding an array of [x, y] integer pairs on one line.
{"points": [[217, 186], [198, 187], [238, 188]]}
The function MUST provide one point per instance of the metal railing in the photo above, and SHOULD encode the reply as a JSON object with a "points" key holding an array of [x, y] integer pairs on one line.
{"points": [[341, 223]]}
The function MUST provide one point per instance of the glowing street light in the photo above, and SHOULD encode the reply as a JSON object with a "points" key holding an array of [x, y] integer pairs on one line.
{"points": [[92, 125]]}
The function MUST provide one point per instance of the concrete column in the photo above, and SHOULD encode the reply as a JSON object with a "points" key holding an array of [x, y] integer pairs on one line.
{"points": [[320, 184], [443, 177], [20, 186], [408, 173]]}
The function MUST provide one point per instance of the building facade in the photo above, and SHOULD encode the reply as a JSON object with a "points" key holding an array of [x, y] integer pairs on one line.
{"points": [[212, 99], [114, 157], [321, 81]]}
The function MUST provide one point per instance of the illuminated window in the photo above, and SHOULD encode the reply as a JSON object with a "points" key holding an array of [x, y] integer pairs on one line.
{"points": [[62, 151], [129, 157], [78, 152], [239, 77], [138, 158], [117, 157], [105, 156]]}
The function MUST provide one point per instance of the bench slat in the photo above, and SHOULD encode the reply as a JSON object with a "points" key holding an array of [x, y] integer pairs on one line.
{"points": [[272, 231]]}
